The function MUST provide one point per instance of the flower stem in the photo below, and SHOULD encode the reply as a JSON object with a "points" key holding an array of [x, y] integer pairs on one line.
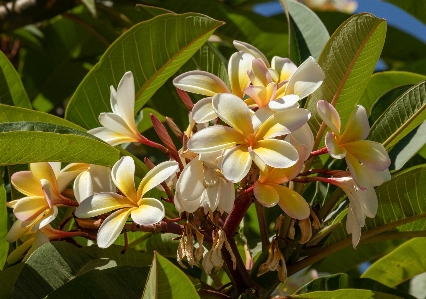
{"points": [[318, 152], [262, 225]]}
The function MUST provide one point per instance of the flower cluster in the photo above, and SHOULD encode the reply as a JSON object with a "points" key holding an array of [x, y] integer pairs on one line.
{"points": [[250, 139]]}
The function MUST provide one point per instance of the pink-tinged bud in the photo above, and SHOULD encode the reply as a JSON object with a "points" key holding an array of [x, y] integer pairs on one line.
{"points": [[162, 133], [175, 129], [185, 98]]}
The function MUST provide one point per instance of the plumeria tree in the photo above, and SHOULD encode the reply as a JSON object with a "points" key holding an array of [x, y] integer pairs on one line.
{"points": [[205, 157]]}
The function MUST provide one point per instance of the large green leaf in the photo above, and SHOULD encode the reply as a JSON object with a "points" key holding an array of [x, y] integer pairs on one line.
{"points": [[54, 264], [20, 147], [17, 114], [163, 244], [343, 281], [4, 245], [148, 51], [12, 91], [380, 83], [347, 294], [165, 280], [118, 282], [404, 115], [8, 278], [414, 7], [339, 262], [401, 200], [311, 34], [401, 264], [348, 59]]}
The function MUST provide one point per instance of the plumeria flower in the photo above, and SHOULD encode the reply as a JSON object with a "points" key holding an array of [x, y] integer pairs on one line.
{"points": [[247, 142], [144, 211], [43, 186], [268, 189], [207, 84], [352, 146], [362, 203], [202, 184], [119, 126], [95, 179]]}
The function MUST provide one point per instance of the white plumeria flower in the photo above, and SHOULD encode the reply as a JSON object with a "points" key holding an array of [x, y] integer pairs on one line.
{"points": [[144, 211], [362, 203], [119, 126], [95, 179], [207, 84], [248, 141], [202, 184], [43, 186]]}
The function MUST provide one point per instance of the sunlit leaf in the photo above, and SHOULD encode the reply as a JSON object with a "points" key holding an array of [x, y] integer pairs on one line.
{"points": [[12, 91], [401, 264], [348, 59], [4, 245], [380, 83], [165, 280], [151, 59], [404, 115]]}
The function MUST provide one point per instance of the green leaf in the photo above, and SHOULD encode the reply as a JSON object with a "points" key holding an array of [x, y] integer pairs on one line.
{"points": [[4, 245], [339, 262], [8, 278], [311, 34], [145, 122], [404, 115], [17, 114], [343, 281], [163, 244], [91, 6], [348, 59], [151, 59], [154, 11], [401, 200], [118, 282], [380, 83], [12, 91], [401, 264], [54, 264], [385, 101], [21, 147], [413, 7], [347, 294], [165, 280]]}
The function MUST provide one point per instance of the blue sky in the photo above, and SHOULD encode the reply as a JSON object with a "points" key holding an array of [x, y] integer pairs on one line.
{"points": [[395, 16]]}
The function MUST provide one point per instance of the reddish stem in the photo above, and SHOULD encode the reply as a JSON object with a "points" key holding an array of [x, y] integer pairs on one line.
{"points": [[146, 141], [319, 152], [164, 227], [242, 203]]}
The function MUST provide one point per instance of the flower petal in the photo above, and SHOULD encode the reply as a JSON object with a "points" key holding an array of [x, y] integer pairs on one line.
{"points": [[370, 153], [276, 153], [20, 251], [111, 227], [43, 170], [262, 95], [357, 127], [200, 82], [284, 66], [28, 208], [214, 138], [122, 174], [260, 116], [303, 137], [329, 116], [156, 176], [189, 206], [286, 102], [227, 196], [150, 211], [125, 100], [190, 185], [56, 167], [361, 178], [233, 111], [334, 150], [352, 226], [83, 187], [261, 72], [18, 229], [69, 173], [282, 123], [101, 203], [368, 201], [265, 194], [101, 179], [238, 65], [26, 183], [236, 164], [111, 137], [45, 219], [245, 47], [203, 111], [306, 79], [115, 123], [292, 203]]}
